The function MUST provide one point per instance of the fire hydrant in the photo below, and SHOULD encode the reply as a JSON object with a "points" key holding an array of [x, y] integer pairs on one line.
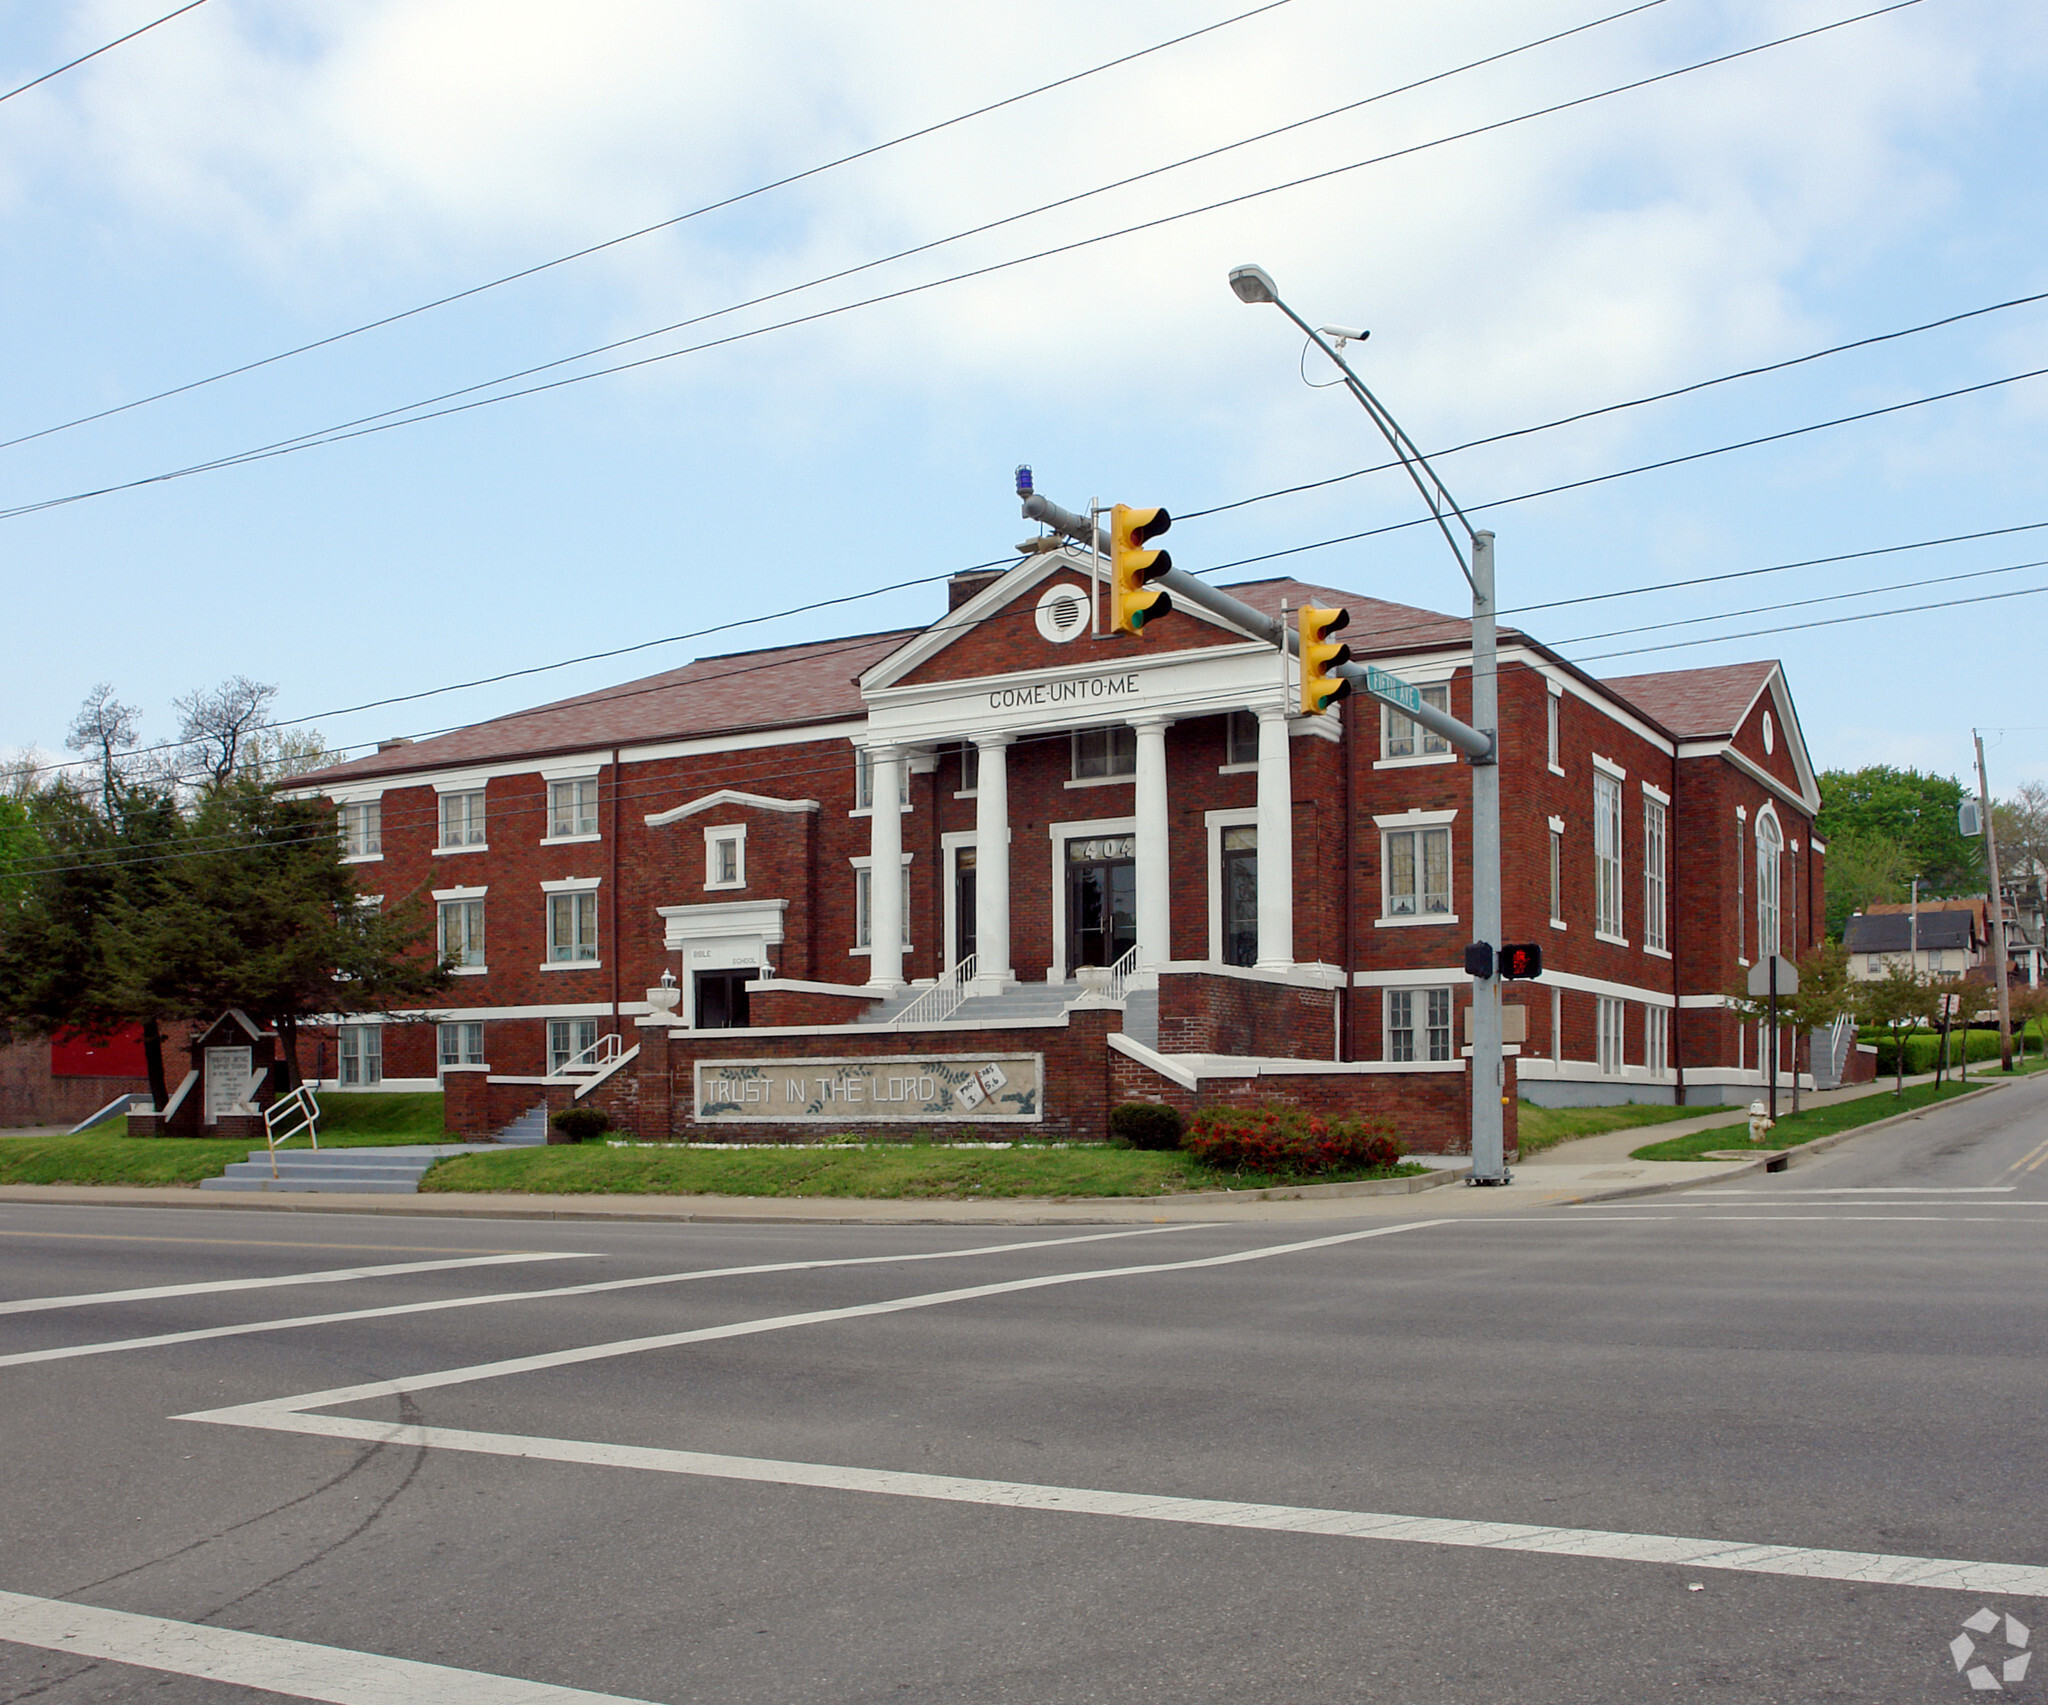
{"points": [[1760, 1122]]}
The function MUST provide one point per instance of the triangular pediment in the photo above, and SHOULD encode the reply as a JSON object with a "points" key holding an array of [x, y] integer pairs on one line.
{"points": [[1036, 617]]}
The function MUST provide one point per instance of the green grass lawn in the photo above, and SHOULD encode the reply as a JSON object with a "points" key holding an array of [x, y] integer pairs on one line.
{"points": [[106, 1154], [1804, 1127], [1545, 1127], [885, 1170]]}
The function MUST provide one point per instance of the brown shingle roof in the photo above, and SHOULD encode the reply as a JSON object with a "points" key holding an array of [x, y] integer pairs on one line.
{"points": [[795, 684], [714, 695], [1696, 704]]}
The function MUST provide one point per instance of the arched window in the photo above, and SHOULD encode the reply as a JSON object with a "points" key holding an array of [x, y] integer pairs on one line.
{"points": [[1770, 843]]}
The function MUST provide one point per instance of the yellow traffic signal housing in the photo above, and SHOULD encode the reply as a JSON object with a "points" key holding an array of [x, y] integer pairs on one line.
{"points": [[1320, 654], [1132, 602]]}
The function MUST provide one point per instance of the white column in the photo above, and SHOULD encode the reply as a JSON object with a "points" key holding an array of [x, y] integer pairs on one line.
{"points": [[992, 859], [885, 869], [1155, 870], [1276, 842]]}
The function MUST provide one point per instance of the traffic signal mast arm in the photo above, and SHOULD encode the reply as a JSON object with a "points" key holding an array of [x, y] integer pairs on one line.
{"points": [[1186, 589]]}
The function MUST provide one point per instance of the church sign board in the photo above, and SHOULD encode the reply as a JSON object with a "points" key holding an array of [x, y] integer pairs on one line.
{"points": [[900, 1089]]}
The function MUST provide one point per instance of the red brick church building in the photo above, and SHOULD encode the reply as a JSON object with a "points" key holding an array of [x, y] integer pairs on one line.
{"points": [[999, 868]]}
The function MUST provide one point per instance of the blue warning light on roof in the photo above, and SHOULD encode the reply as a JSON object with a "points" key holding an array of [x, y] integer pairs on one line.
{"points": [[1023, 479]]}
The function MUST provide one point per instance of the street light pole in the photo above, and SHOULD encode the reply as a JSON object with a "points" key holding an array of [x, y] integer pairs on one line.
{"points": [[1488, 1075]]}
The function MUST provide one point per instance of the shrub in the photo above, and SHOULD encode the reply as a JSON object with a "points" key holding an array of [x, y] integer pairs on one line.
{"points": [[1146, 1125], [577, 1124], [1288, 1140]]}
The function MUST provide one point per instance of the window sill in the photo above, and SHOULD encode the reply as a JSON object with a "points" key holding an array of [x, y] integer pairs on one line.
{"points": [[968, 793], [1422, 762], [574, 965], [452, 852], [1238, 769], [1412, 923], [867, 952], [1557, 769], [1611, 940], [1656, 952], [1559, 923], [569, 840], [724, 887], [469, 970], [1104, 781], [362, 858]]}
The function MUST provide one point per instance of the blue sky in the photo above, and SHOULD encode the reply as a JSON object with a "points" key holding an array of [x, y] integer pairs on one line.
{"points": [[252, 176]]}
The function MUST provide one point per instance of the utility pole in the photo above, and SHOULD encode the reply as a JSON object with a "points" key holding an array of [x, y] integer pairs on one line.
{"points": [[1997, 897]]}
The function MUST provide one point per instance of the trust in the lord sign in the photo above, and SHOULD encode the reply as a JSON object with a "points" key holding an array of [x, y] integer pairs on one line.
{"points": [[908, 1088]]}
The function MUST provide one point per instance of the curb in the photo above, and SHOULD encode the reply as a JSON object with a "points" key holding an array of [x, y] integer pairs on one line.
{"points": [[1434, 1179], [1779, 1160]]}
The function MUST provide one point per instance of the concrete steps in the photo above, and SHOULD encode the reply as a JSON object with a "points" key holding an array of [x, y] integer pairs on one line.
{"points": [[529, 1130], [360, 1171]]}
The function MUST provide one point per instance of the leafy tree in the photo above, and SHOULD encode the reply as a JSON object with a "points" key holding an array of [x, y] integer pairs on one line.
{"points": [[2029, 1006], [1862, 871], [261, 914], [1825, 994], [2022, 824], [1900, 1002], [98, 856], [1914, 812]]}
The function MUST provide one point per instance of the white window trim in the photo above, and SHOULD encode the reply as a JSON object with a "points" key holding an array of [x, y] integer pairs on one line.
{"points": [[571, 885], [1127, 779], [458, 893], [550, 778], [714, 834], [950, 843], [1656, 793], [866, 862], [1418, 820], [566, 840], [1610, 766], [1418, 758], [1213, 825], [1554, 710], [1421, 1030], [1416, 763], [1109, 781], [456, 852], [361, 858]]}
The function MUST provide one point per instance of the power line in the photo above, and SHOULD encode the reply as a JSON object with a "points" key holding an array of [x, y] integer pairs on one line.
{"points": [[1829, 622], [368, 425], [34, 82], [629, 236], [1633, 402], [748, 764], [1804, 603], [1642, 468]]}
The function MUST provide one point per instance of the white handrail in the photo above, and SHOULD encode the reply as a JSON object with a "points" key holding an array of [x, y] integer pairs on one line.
{"points": [[1120, 975], [939, 1002], [601, 1053], [301, 1105]]}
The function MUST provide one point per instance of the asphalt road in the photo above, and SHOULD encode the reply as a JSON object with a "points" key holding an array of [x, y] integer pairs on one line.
{"points": [[1621, 1452]]}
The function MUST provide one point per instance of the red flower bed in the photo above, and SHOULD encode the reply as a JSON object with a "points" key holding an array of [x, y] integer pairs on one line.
{"points": [[1287, 1140]]}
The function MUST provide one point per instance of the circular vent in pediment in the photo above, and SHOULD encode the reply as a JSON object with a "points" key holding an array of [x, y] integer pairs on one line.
{"points": [[1063, 612]]}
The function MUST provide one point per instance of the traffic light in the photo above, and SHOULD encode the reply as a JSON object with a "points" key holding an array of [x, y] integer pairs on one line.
{"points": [[1320, 654], [1520, 960], [1132, 602]]}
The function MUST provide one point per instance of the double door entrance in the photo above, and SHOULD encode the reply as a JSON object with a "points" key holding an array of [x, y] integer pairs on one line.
{"points": [[1102, 899]]}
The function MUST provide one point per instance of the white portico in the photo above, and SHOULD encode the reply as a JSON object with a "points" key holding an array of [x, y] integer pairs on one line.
{"points": [[1014, 676]]}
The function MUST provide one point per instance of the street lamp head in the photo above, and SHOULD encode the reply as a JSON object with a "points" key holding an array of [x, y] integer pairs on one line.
{"points": [[1253, 284]]}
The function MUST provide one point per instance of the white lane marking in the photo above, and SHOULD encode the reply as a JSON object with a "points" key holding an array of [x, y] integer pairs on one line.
{"points": [[290, 1667], [237, 1413], [1881, 1190], [325, 1276], [105, 1347], [1807, 1562]]}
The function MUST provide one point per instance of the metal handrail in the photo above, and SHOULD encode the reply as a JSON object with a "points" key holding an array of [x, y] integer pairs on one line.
{"points": [[301, 1105], [605, 1051], [939, 1002], [1120, 975]]}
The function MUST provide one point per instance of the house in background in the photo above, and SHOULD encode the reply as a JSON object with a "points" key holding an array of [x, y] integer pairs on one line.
{"points": [[1939, 941]]}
